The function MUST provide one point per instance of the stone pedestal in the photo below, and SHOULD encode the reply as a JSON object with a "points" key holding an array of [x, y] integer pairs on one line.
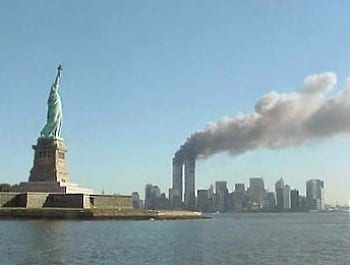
{"points": [[49, 172], [49, 161]]}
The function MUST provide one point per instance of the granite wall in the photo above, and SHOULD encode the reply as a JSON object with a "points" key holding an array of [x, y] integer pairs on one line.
{"points": [[79, 200], [42, 199], [36, 199], [12, 199], [111, 201], [68, 201]]}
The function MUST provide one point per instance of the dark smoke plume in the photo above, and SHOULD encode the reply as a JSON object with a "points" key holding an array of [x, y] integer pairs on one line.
{"points": [[278, 121]]}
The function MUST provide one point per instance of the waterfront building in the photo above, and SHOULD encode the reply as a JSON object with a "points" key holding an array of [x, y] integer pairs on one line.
{"points": [[154, 199], [136, 202], [162, 202], [279, 185], [211, 199], [256, 191], [295, 200], [152, 196], [315, 194], [229, 202], [157, 192], [238, 196], [303, 203], [203, 200], [286, 197], [148, 195], [269, 201], [221, 194]]}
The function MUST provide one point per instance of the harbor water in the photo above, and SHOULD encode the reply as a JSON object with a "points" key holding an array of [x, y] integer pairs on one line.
{"points": [[251, 238]]}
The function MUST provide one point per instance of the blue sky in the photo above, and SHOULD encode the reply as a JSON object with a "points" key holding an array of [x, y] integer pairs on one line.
{"points": [[141, 76]]}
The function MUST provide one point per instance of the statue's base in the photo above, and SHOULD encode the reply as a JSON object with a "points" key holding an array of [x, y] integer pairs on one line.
{"points": [[49, 186], [49, 172], [49, 162], [41, 200]]}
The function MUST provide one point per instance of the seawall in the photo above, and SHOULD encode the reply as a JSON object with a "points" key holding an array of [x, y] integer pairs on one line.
{"points": [[95, 214]]}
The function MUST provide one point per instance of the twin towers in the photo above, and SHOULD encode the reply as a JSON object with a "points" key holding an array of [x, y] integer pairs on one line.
{"points": [[184, 165]]}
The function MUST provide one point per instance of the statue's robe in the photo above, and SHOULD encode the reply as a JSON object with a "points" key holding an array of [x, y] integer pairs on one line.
{"points": [[53, 125]]}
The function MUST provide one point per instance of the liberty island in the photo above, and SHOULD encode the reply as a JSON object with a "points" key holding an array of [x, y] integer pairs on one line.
{"points": [[49, 172], [49, 192]]}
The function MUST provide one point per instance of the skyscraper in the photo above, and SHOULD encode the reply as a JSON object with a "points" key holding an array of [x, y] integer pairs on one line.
{"points": [[211, 198], [156, 191], [269, 201], [148, 195], [136, 202], [183, 167], [295, 200], [279, 185], [240, 198], [190, 197], [257, 191], [152, 195], [286, 197], [315, 194], [221, 195], [203, 200]]}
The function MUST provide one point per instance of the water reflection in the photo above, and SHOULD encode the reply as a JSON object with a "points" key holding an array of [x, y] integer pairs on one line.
{"points": [[44, 242], [226, 239]]}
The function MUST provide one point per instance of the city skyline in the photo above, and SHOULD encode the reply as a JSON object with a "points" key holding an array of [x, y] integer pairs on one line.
{"points": [[253, 197], [147, 76], [231, 187]]}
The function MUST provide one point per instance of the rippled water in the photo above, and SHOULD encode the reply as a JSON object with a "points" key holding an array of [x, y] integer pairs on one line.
{"points": [[295, 238]]}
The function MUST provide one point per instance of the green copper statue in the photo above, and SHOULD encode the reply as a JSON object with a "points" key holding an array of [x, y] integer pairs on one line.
{"points": [[52, 128]]}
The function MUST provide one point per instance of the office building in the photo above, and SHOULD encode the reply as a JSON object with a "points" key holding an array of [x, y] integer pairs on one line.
{"points": [[203, 200], [295, 200], [286, 197], [152, 196], [269, 201], [315, 194], [279, 185], [183, 171], [221, 195], [257, 191]]}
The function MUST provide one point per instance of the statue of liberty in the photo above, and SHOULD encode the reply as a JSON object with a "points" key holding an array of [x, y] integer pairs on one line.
{"points": [[52, 128]]}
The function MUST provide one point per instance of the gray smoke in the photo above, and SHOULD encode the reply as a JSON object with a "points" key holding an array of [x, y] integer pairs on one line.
{"points": [[278, 121]]}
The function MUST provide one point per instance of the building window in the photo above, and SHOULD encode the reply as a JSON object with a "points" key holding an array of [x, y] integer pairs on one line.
{"points": [[61, 155]]}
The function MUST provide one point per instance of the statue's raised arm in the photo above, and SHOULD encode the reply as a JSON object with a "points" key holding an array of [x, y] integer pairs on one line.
{"points": [[52, 128], [56, 85]]}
